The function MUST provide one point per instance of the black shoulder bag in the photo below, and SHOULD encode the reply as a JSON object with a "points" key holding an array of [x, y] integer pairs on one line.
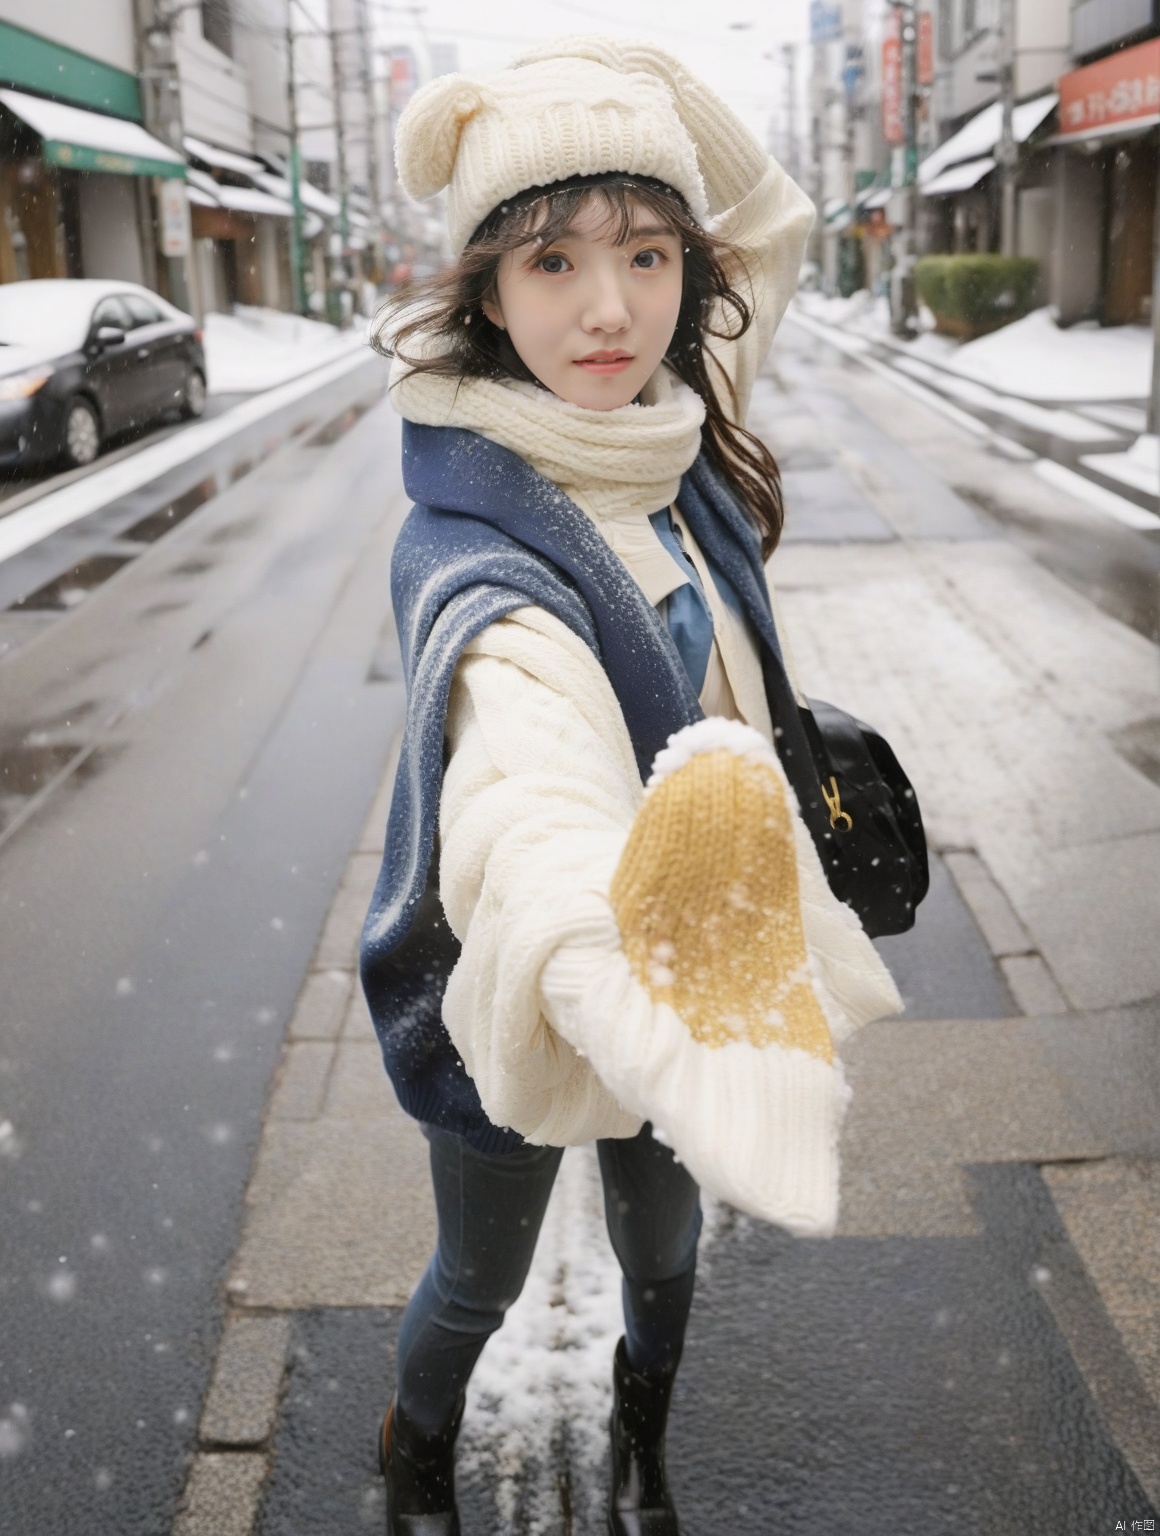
{"points": [[859, 806], [875, 851]]}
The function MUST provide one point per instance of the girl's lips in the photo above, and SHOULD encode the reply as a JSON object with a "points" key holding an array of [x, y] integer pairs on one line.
{"points": [[616, 364]]}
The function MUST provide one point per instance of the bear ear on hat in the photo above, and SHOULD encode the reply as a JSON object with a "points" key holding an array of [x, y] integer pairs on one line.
{"points": [[427, 138]]}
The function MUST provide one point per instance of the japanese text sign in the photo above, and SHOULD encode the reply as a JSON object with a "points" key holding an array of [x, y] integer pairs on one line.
{"points": [[1114, 91]]}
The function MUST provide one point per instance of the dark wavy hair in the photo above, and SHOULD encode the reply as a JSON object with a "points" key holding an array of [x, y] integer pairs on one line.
{"points": [[445, 313]]}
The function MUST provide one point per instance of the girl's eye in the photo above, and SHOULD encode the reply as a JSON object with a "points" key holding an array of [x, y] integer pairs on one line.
{"points": [[553, 263], [649, 260]]}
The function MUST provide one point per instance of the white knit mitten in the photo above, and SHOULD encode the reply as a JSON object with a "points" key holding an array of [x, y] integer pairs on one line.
{"points": [[703, 988], [732, 161]]}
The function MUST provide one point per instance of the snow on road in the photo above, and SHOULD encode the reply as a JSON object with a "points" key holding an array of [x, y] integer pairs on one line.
{"points": [[541, 1394], [255, 349], [1033, 358]]}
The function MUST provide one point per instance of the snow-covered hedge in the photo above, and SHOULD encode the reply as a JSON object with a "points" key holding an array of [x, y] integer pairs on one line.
{"points": [[970, 295]]}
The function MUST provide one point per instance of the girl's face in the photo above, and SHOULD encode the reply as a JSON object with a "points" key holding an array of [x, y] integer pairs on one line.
{"points": [[591, 318]]}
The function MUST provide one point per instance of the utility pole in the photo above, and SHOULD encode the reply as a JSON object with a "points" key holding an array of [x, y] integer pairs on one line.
{"points": [[162, 102], [906, 298], [1007, 151], [337, 282], [1154, 403], [374, 195], [789, 56], [817, 111], [297, 265]]}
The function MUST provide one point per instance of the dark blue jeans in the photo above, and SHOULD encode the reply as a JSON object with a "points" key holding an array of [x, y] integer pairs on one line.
{"points": [[490, 1209]]}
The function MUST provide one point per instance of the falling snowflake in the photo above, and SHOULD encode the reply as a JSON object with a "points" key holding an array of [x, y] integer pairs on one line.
{"points": [[62, 1286], [14, 1432]]}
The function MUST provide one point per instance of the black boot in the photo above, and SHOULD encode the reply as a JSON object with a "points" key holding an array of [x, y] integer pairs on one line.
{"points": [[641, 1504], [420, 1476]]}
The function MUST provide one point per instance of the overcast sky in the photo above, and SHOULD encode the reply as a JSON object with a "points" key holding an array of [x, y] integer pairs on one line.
{"points": [[735, 45]]}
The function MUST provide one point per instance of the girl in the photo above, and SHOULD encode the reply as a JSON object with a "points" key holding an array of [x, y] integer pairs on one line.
{"points": [[554, 954]]}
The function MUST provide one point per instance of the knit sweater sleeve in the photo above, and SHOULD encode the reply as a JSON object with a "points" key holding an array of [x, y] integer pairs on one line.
{"points": [[540, 792], [769, 227]]}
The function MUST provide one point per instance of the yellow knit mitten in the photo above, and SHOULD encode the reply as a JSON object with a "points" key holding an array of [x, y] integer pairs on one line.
{"points": [[706, 897]]}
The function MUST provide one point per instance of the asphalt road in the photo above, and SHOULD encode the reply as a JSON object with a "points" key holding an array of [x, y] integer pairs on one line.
{"points": [[157, 913], [18, 487]]}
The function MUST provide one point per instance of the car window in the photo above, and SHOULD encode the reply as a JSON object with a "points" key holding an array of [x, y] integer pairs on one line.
{"points": [[112, 312], [141, 310]]}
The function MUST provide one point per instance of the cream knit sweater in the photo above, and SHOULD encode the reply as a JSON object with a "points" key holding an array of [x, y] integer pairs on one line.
{"points": [[542, 787]]}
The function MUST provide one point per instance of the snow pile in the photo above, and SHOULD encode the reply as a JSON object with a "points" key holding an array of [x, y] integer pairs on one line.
{"points": [[1038, 360], [547, 1373], [1033, 358], [541, 1395], [862, 313], [836, 311], [254, 349], [1138, 468]]}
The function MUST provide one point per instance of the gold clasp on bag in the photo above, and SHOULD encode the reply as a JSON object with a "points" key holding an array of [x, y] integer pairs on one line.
{"points": [[834, 806]]}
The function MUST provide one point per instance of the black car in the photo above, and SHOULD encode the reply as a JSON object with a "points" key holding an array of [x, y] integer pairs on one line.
{"points": [[84, 359]]}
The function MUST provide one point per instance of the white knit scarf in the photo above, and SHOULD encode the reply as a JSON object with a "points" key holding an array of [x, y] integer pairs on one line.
{"points": [[619, 465]]}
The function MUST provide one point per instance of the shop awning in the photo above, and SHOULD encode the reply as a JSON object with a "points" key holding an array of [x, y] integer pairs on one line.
{"points": [[222, 159], [309, 196], [1115, 97], [90, 141], [876, 197], [959, 177], [250, 200], [980, 136]]}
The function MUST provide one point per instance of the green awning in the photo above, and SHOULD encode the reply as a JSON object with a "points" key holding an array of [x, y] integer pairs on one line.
{"points": [[91, 141]]}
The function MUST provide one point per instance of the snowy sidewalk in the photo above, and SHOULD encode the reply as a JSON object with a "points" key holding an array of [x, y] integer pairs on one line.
{"points": [[257, 349], [1076, 397], [976, 1349]]}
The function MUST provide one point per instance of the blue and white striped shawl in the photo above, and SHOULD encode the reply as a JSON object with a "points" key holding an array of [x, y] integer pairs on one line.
{"points": [[488, 535]]}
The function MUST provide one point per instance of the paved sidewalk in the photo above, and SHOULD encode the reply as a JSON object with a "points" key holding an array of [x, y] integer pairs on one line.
{"points": [[1094, 450], [976, 1351]]}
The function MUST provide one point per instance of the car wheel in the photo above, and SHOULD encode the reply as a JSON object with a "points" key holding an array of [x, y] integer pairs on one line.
{"points": [[82, 434], [193, 395]]}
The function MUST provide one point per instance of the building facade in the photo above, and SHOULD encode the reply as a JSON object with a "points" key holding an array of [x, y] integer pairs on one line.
{"points": [[78, 171], [1086, 125]]}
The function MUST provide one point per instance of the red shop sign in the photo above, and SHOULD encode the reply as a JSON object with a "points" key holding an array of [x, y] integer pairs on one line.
{"points": [[892, 81], [1117, 91], [924, 61]]}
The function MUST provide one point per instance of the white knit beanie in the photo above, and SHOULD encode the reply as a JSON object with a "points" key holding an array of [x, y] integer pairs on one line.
{"points": [[540, 122]]}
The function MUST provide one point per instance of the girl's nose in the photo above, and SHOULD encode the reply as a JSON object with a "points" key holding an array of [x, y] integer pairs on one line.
{"points": [[606, 308]]}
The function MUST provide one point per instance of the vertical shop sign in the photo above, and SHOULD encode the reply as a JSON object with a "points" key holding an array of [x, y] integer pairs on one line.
{"points": [[173, 216], [404, 77], [924, 63], [892, 80]]}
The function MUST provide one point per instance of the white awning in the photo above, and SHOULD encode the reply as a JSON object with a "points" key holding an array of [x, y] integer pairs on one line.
{"points": [[201, 199], [309, 196], [223, 159], [959, 177], [980, 136], [205, 184], [877, 199], [250, 200], [91, 141]]}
